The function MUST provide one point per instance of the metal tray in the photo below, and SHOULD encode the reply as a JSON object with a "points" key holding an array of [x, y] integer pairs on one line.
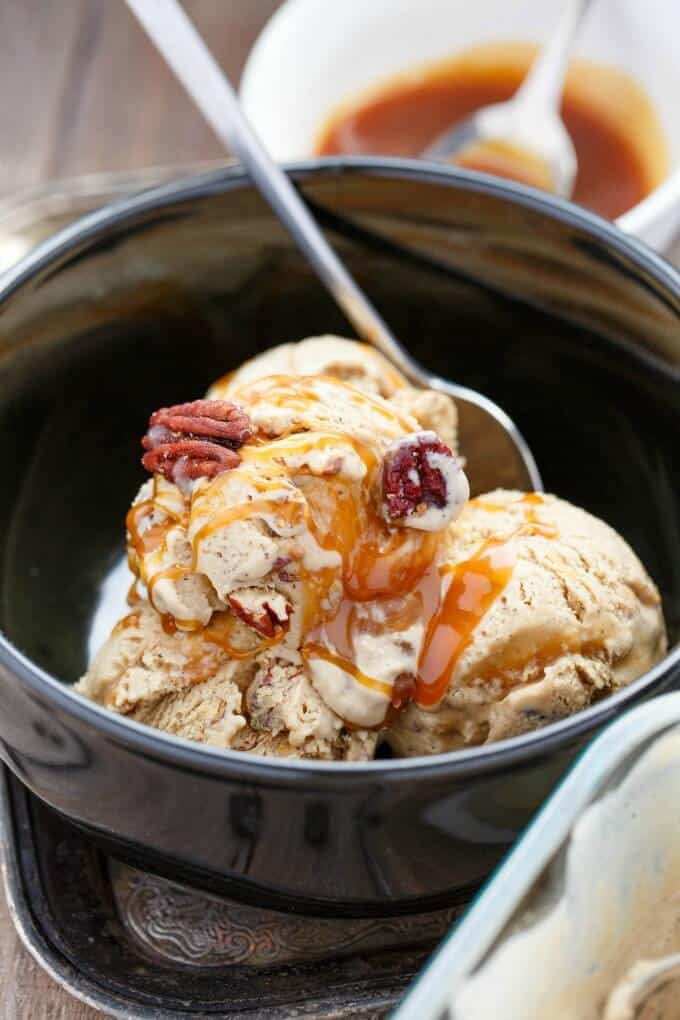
{"points": [[140, 947]]}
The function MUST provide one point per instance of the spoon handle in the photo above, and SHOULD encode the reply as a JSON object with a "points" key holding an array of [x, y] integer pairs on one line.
{"points": [[176, 38], [544, 83]]}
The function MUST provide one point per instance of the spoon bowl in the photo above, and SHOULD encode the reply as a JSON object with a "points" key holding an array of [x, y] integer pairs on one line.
{"points": [[524, 138], [523, 141]]}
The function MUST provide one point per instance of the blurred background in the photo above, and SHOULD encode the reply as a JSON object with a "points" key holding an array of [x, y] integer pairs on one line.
{"points": [[84, 92]]}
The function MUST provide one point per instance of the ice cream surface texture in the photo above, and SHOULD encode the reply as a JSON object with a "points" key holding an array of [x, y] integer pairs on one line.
{"points": [[548, 610], [279, 581], [311, 578]]}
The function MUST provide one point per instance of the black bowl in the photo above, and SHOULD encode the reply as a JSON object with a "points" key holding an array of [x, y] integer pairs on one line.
{"points": [[568, 324]]}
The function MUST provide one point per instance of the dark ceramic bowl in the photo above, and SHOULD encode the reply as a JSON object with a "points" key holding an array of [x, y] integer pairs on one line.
{"points": [[571, 326]]}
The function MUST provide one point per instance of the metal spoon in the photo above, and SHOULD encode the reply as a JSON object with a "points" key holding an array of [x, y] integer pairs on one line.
{"points": [[530, 122], [497, 453]]}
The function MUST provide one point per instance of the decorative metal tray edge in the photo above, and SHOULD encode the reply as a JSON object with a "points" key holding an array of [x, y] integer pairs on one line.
{"points": [[44, 927], [46, 955]]}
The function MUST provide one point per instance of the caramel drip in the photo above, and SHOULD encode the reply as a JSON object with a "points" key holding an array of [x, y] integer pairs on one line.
{"points": [[291, 512], [168, 623], [377, 561], [301, 393], [222, 629], [316, 651], [382, 567], [528, 501], [131, 620], [335, 636], [172, 574], [147, 541], [305, 442], [475, 585], [144, 542]]}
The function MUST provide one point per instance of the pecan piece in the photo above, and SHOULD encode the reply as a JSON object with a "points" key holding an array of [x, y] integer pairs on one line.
{"points": [[424, 485], [403, 690], [195, 440], [266, 612]]}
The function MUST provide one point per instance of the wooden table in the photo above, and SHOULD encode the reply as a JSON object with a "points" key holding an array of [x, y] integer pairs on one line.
{"points": [[83, 91]]}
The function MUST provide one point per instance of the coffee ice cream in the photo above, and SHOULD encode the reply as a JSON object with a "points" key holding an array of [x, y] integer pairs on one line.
{"points": [[276, 550], [311, 579]]}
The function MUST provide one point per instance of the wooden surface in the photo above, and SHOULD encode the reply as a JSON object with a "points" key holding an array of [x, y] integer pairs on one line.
{"points": [[83, 91], [26, 992]]}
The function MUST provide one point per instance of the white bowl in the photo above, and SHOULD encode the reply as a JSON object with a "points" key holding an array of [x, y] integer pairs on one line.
{"points": [[315, 54]]}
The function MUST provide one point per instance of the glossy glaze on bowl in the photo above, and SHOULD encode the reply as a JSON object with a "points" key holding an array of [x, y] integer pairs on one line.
{"points": [[145, 304]]}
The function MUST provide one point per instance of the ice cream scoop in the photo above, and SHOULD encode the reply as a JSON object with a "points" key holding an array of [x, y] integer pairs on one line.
{"points": [[507, 453], [546, 610]]}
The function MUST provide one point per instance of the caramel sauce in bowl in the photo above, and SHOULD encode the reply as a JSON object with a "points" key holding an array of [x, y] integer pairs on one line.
{"points": [[620, 147]]}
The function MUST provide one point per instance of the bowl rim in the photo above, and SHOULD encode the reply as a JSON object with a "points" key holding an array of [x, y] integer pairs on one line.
{"points": [[156, 744]]}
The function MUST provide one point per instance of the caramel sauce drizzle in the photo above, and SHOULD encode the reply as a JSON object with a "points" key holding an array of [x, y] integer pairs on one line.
{"points": [[306, 442], [399, 610], [475, 585], [131, 620], [221, 632], [291, 513], [375, 562], [300, 393], [147, 541], [312, 650]]}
